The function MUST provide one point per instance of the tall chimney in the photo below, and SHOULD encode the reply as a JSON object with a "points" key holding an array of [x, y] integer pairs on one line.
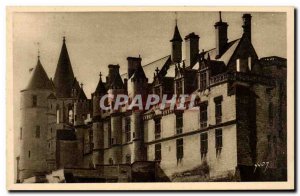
{"points": [[247, 25], [113, 71], [133, 63], [221, 36], [192, 48]]}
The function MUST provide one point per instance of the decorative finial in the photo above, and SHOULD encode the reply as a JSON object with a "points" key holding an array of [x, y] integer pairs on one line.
{"points": [[100, 76], [38, 45], [81, 84], [220, 15], [176, 18], [64, 39], [157, 70]]}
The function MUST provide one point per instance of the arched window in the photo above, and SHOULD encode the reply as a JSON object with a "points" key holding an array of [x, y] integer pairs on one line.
{"points": [[70, 113], [57, 114]]}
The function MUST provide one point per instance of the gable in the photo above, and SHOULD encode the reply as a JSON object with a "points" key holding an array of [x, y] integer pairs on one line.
{"points": [[244, 50]]}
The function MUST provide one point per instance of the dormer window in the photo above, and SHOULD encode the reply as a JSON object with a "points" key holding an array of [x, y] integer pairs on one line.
{"points": [[203, 81]]}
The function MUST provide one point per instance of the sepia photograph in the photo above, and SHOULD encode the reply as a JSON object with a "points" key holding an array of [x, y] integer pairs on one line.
{"points": [[156, 98]]}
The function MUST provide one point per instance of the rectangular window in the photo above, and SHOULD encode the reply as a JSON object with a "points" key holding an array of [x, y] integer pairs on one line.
{"points": [[203, 115], [157, 152], [179, 149], [157, 128], [37, 132], [203, 83], [219, 141], [21, 133], [179, 122], [218, 109], [34, 100], [128, 129], [29, 154], [203, 145]]}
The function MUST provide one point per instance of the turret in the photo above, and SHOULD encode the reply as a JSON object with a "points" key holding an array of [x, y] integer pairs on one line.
{"points": [[115, 87], [137, 85], [137, 82], [98, 127], [33, 129], [176, 46]]}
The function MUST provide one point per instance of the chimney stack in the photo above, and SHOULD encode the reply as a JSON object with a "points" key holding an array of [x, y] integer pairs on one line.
{"points": [[221, 36], [192, 48], [133, 63], [247, 25]]}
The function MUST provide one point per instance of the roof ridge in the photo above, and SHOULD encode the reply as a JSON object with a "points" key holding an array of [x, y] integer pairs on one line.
{"points": [[156, 60]]}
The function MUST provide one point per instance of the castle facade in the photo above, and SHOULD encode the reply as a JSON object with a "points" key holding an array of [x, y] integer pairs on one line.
{"points": [[235, 131]]}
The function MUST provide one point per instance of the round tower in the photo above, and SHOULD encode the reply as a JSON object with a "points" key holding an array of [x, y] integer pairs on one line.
{"points": [[116, 86], [33, 129], [137, 85], [98, 130]]}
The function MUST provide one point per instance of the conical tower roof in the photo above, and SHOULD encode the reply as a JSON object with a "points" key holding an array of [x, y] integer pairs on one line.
{"points": [[176, 36], [64, 76], [100, 89], [39, 78], [81, 94]]}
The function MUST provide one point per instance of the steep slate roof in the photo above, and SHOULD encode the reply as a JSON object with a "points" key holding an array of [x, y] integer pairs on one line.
{"points": [[231, 47], [100, 89], [149, 69], [39, 78], [64, 76], [139, 73], [81, 95]]}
